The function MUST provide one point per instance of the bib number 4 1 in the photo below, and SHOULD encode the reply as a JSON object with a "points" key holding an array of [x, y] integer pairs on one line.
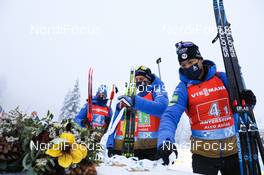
{"points": [[215, 110]]}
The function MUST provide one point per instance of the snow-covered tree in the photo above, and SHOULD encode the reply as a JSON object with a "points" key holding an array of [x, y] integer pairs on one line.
{"points": [[71, 105]]}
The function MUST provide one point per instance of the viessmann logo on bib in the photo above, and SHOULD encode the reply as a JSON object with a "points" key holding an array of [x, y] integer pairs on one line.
{"points": [[207, 91], [100, 110]]}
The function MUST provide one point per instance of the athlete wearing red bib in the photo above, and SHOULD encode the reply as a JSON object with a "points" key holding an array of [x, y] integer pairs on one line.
{"points": [[203, 96], [101, 114], [149, 103]]}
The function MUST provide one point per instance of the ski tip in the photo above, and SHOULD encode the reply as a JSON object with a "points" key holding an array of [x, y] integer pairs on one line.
{"points": [[132, 68]]}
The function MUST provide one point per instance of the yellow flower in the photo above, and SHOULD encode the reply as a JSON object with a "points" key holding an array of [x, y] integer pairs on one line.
{"points": [[68, 151], [68, 136]]}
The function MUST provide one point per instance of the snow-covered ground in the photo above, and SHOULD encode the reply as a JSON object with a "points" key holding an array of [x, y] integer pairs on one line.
{"points": [[105, 170], [181, 166]]}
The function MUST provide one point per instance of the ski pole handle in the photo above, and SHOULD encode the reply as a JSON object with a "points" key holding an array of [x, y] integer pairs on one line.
{"points": [[158, 61]]}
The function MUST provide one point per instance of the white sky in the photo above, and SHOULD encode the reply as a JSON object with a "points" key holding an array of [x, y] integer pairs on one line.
{"points": [[39, 65]]}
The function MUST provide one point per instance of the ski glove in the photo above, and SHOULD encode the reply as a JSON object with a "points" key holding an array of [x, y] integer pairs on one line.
{"points": [[249, 97], [107, 122], [111, 152], [165, 151], [126, 101], [86, 122]]}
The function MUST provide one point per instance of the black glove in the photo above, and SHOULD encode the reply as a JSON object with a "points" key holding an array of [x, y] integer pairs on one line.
{"points": [[86, 122], [165, 151], [107, 122], [111, 152], [249, 97]]}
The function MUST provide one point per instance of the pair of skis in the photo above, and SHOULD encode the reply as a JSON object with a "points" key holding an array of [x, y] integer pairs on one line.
{"points": [[129, 119], [247, 134], [90, 96]]}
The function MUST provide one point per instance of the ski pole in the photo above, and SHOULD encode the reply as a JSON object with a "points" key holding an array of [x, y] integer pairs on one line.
{"points": [[158, 61], [114, 91]]}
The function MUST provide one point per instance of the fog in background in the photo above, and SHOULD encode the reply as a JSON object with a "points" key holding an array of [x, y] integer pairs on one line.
{"points": [[47, 45]]}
